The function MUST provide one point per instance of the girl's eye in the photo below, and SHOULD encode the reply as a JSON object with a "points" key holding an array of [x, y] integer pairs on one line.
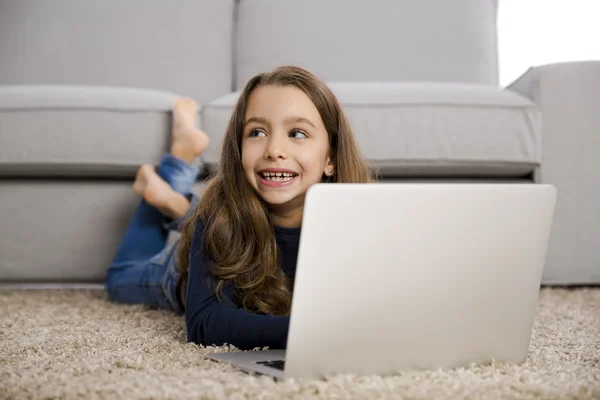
{"points": [[298, 134], [255, 133]]}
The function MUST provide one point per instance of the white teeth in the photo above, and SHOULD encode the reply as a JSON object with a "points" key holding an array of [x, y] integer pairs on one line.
{"points": [[278, 176]]}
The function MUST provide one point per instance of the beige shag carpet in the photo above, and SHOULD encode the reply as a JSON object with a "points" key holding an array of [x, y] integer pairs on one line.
{"points": [[66, 344]]}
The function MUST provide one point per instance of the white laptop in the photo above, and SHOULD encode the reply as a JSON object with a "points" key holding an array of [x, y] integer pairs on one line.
{"points": [[394, 277]]}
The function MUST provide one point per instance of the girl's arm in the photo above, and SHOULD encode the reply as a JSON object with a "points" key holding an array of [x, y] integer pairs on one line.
{"points": [[210, 321]]}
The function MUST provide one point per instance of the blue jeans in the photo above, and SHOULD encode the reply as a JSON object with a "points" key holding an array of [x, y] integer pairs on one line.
{"points": [[144, 269]]}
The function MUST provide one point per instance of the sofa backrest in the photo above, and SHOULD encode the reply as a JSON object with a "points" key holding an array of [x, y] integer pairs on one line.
{"points": [[182, 46], [374, 40], [206, 48]]}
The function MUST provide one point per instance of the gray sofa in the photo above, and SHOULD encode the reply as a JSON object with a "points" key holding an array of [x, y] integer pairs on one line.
{"points": [[86, 89]]}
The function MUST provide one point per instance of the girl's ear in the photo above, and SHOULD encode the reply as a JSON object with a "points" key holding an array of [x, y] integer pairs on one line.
{"points": [[329, 167]]}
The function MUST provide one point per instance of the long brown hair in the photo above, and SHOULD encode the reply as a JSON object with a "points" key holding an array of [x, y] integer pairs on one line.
{"points": [[238, 231]]}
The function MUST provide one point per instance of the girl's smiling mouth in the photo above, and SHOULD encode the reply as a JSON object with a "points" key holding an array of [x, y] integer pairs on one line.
{"points": [[276, 177]]}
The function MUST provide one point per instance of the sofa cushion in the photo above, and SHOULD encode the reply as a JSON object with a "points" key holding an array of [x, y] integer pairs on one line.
{"points": [[63, 230], [375, 40], [81, 131], [426, 128], [183, 47]]}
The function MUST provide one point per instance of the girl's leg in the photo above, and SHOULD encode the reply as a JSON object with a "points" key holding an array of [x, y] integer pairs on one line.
{"points": [[154, 281], [139, 265], [146, 236]]}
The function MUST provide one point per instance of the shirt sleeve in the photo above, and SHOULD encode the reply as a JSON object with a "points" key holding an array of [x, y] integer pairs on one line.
{"points": [[210, 321]]}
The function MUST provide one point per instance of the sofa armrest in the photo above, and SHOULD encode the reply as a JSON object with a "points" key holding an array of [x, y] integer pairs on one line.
{"points": [[568, 95], [548, 83]]}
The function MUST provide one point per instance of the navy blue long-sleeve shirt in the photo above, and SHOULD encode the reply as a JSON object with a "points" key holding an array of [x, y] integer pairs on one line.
{"points": [[210, 321]]}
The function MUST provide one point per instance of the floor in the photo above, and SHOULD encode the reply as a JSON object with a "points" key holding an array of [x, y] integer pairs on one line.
{"points": [[71, 344]]}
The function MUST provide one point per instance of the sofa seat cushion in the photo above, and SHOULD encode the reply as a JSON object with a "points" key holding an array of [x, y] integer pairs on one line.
{"points": [[426, 128], [50, 130]]}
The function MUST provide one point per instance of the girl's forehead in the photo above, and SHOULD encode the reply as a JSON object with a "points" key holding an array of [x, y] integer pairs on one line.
{"points": [[281, 102]]}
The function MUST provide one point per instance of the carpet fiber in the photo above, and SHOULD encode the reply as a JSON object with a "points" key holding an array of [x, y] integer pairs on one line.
{"points": [[60, 344]]}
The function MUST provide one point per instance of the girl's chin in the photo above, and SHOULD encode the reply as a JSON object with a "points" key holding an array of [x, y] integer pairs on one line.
{"points": [[277, 201], [283, 200]]}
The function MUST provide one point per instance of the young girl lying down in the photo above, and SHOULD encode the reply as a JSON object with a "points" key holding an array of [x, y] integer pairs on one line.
{"points": [[232, 271]]}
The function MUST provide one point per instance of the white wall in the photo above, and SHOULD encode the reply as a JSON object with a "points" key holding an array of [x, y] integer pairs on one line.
{"points": [[536, 32]]}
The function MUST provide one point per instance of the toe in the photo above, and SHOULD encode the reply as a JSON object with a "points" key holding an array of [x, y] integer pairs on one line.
{"points": [[189, 101]]}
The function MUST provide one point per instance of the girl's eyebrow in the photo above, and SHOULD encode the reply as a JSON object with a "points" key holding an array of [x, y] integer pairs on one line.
{"points": [[260, 120], [298, 120], [288, 121]]}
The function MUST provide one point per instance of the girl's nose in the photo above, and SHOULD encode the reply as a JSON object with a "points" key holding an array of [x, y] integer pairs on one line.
{"points": [[276, 148]]}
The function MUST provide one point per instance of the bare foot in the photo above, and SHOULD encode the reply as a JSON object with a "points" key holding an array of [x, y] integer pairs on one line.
{"points": [[188, 142], [158, 193]]}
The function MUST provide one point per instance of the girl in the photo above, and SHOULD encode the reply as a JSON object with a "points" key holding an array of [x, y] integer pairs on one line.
{"points": [[238, 249]]}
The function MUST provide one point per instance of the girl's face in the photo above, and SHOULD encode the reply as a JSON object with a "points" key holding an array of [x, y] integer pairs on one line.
{"points": [[285, 149]]}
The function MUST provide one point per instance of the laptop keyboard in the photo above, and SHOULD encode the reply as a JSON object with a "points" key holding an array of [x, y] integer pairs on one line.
{"points": [[277, 364]]}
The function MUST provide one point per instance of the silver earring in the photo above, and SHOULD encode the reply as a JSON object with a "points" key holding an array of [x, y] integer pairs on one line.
{"points": [[330, 170]]}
